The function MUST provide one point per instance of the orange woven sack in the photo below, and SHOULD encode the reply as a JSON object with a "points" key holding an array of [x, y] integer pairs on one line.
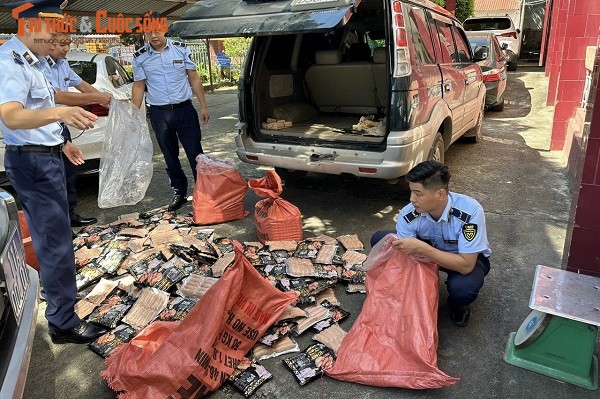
{"points": [[194, 357], [276, 218], [219, 191], [393, 343]]}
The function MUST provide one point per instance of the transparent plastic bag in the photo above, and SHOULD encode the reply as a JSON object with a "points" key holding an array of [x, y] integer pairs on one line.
{"points": [[126, 161]]}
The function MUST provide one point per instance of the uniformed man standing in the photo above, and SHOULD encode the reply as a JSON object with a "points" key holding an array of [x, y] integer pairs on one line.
{"points": [[447, 227], [61, 77], [32, 135], [166, 69]]}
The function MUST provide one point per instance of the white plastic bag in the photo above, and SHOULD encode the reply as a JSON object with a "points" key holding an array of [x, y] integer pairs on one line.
{"points": [[126, 162]]}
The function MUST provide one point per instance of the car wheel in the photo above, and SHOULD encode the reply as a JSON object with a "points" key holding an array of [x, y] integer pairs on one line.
{"points": [[476, 132], [289, 175], [437, 149], [512, 66], [498, 107]]}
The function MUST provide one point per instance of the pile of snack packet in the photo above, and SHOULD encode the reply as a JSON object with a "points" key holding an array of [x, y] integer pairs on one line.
{"points": [[156, 266]]}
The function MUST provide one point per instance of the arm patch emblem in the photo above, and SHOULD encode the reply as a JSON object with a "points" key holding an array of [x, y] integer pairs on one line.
{"points": [[469, 231]]}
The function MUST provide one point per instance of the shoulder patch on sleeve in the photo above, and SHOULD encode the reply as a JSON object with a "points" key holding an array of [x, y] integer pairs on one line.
{"points": [[140, 52], [462, 215], [469, 231], [411, 216], [180, 44]]}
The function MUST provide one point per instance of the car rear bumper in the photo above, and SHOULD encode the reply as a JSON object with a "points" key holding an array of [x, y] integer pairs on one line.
{"points": [[494, 91], [16, 374], [398, 158]]}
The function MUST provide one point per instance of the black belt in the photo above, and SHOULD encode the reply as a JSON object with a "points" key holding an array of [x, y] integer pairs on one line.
{"points": [[34, 148], [172, 106]]}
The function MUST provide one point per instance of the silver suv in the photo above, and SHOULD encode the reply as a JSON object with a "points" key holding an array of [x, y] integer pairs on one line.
{"points": [[19, 286], [368, 88]]}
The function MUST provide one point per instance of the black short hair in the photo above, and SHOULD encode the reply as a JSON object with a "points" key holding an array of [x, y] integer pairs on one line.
{"points": [[431, 174]]}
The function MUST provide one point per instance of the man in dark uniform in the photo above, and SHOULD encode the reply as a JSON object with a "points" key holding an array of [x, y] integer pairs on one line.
{"points": [[165, 68], [61, 77], [32, 134], [448, 228]]}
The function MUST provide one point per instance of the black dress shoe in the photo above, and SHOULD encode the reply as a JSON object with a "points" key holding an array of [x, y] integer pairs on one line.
{"points": [[177, 202], [460, 315], [82, 334], [78, 221]]}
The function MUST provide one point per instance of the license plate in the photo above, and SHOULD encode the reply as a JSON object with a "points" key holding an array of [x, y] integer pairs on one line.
{"points": [[15, 270]]}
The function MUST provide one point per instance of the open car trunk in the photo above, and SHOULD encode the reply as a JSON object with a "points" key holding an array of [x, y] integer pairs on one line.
{"points": [[317, 72]]}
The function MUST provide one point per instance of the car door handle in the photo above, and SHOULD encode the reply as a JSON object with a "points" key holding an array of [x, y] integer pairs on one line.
{"points": [[447, 87]]}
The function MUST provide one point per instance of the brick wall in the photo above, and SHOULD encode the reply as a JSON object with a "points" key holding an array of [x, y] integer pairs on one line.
{"points": [[575, 25], [582, 252]]}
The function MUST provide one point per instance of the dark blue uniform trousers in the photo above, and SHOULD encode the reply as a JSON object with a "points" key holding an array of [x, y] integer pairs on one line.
{"points": [[169, 125], [71, 175], [462, 289], [39, 179]]}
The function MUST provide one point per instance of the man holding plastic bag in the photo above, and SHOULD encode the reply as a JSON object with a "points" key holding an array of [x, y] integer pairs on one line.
{"points": [[448, 228]]}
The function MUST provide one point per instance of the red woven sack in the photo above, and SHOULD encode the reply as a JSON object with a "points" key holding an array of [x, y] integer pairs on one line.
{"points": [[219, 191], [393, 343], [276, 218], [192, 358]]}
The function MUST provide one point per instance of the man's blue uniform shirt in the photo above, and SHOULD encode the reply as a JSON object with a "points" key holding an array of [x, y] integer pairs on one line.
{"points": [[22, 80], [60, 74], [165, 72], [460, 229]]}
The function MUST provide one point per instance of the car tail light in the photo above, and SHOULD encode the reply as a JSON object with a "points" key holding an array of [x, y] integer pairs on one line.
{"points": [[402, 67], [96, 109], [493, 75], [509, 34], [367, 170], [252, 158]]}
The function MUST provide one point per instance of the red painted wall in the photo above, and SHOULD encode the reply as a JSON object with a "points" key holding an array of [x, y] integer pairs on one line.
{"points": [[582, 251], [575, 25]]}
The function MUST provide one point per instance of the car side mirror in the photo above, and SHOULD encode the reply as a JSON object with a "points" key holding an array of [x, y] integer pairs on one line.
{"points": [[504, 46], [481, 53]]}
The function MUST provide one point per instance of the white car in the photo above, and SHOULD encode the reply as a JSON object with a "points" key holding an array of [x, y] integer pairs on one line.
{"points": [[504, 29], [106, 74]]}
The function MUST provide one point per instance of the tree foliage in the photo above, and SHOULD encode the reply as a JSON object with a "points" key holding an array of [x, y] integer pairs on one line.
{"points": [[464, 8], [236, 46]]}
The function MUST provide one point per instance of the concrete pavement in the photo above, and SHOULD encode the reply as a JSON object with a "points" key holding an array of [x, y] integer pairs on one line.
{"points": [[523, 188]]}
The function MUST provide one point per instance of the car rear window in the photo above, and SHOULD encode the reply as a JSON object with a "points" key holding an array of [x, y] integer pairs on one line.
{"points": [[487, 24], [85, 69]]}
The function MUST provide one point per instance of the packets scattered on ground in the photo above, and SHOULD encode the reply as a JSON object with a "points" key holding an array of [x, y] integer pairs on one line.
{"points": [[331, 337], [196, 285], [277, 332], [112, 309], [107, 343], [336, 314], [149, 304], [177, 309], [315, 314], [309, 364], [159, 249], [351, 242], [284, 346], [249, 376]]}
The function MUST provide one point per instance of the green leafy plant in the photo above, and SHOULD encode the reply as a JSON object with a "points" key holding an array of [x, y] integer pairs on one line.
{"points": [[464, 9]]}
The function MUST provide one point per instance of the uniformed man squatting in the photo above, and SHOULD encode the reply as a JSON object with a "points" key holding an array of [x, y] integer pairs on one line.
{"points": [[447, 227], [166, 69], [32, 134]]}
